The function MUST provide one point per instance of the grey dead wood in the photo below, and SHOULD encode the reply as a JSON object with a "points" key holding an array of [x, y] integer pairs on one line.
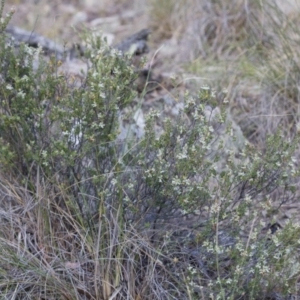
{"points": [[136, 44]]}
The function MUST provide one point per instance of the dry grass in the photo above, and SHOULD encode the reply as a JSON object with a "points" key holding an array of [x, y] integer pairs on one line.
{"points": [[49, 252], [249, 49]]}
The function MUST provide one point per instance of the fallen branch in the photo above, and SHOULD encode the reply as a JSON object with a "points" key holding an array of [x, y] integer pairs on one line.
{"points": [[136, 44]]}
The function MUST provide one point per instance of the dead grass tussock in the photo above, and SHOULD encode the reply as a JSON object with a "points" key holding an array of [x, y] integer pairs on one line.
{"points": [[277, 104], [54, 254], [250, 49]]}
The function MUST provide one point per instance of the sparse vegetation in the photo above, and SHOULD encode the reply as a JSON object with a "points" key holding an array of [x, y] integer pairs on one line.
{"points": [[188, 210]]}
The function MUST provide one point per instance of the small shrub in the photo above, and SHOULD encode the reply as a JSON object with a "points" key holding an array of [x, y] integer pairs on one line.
{"points": [[176, 215]]}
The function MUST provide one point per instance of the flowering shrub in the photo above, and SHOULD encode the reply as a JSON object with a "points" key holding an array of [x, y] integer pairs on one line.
{"points": [[175, 215]]}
